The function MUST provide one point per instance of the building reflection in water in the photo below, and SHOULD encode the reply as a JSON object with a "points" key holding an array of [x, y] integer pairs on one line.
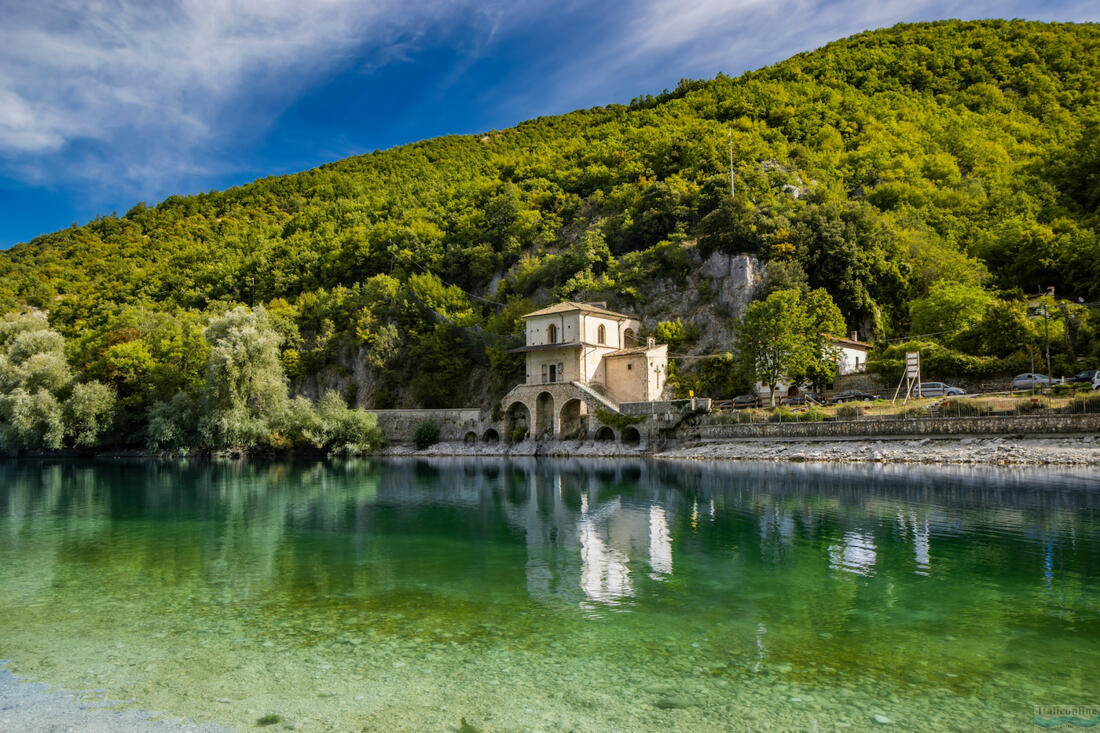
{"points": [[855, 555], [593, 532]]}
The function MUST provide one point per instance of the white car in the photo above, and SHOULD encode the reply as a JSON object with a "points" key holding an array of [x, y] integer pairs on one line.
{"points": [[1096, 380]]}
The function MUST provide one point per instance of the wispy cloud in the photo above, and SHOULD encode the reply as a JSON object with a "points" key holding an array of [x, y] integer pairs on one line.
{"points": [[137, 96], [142, 90], [660, 41]]}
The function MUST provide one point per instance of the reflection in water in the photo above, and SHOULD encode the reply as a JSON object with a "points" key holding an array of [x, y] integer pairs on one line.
{"points": [[856, 555], [387, 579], [660, 542]]}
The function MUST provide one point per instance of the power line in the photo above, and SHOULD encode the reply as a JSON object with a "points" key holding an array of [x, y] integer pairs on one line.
{"points": [[452, 285]]}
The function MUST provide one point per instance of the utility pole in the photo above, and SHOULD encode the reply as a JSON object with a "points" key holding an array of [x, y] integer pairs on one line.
{"points": [[1046, 330], [732, 194]]}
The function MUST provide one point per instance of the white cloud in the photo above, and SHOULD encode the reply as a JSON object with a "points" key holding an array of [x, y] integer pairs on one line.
{"points": [[137, 95], [132, 86], [661, 41]]}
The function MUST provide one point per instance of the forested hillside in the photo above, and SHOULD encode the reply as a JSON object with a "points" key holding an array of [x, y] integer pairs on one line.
{"points": [[930, 177]]}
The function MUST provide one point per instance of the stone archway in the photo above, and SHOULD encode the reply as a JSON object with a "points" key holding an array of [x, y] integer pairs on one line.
{"points": [[491, 436], [517, 422], [573, 420], [630, 436], [605, 433], [470, 437], [544, 415]]}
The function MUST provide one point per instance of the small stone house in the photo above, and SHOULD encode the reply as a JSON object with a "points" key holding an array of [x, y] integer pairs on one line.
{"points": [[588, 344]]}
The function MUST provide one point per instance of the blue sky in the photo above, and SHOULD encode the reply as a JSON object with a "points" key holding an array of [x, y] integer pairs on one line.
{"points": [[108, 102]]}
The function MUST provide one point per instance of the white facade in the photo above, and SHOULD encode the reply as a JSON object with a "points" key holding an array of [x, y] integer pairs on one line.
{"points": [[591, 345], [852, 354]]}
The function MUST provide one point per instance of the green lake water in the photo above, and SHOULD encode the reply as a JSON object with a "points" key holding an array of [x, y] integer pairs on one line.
{"points": [[556, 595]]}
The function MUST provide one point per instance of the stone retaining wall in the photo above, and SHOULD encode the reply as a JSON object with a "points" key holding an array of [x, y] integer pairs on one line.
{"points": [[1022, 424], [398, 425], [675, 407]]}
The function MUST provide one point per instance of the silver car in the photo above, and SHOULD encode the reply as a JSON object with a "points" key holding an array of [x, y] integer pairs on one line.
{"points": [[939, 389], [1030, 380]]}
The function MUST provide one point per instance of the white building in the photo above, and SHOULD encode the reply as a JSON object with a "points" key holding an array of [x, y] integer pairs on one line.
{"points": [[852, 354], [588, 344]]}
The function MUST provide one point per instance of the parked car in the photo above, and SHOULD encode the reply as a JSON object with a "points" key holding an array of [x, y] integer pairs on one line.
{"points": [[1030, 380], [939, 389], [742, 401], [1096, 380], [1088, 376], [806, 398], [852, 395]]}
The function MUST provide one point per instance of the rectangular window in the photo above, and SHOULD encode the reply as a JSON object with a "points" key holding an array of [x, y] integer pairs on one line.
{"points": [[561, 372], [553, 372]]}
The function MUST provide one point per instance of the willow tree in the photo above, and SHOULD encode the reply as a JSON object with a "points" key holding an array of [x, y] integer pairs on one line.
{"points": [[245, 389], [40, 403]]}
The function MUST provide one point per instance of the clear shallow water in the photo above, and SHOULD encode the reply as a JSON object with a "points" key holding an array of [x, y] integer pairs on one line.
{"points": [[558, 595]]}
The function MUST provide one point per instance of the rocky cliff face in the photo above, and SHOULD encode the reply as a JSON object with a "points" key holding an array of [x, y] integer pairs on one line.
{"points": [[715, 293], [711, 297]]}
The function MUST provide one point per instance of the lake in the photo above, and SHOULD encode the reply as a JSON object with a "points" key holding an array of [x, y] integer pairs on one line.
{"points": [[493, 594]]}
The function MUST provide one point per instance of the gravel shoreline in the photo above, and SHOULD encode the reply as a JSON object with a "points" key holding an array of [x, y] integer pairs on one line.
{"points": [[32, 707], [1073, 450]]}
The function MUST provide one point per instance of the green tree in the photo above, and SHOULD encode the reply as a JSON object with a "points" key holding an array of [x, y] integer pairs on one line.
{"points": [[773, 339], [949, 308], [245, 387], [89, 413], [671, 333], [823, 319]]}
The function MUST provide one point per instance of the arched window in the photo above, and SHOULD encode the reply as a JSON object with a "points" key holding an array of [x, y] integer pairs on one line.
{"points": [[601, 335], [551, 334]]}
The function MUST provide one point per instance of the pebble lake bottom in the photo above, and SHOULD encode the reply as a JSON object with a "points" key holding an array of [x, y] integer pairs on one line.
{"points": [[596, 595]]}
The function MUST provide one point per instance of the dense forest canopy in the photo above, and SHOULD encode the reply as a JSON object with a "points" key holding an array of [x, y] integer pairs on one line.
{"points": [[930, 177]]}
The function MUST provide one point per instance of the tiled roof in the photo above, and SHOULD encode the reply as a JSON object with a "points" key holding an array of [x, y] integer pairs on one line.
{"points": [[632, 350], [569, 306], [544, 347], [845, 341]]}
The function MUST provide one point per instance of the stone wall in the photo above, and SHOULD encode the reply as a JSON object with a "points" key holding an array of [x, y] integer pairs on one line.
{"points": [[676, 407], [398, 425], [865, 382], [1022, 424]]}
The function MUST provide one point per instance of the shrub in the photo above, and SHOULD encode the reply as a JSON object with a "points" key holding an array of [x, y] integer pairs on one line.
{"points": [[347, 430], [849, 412], [1035, 404], [425, 434], [812, 415], [964, 408], [617, 420], [519, 434], [1086, 402], [782, 414], [300, 425]]}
